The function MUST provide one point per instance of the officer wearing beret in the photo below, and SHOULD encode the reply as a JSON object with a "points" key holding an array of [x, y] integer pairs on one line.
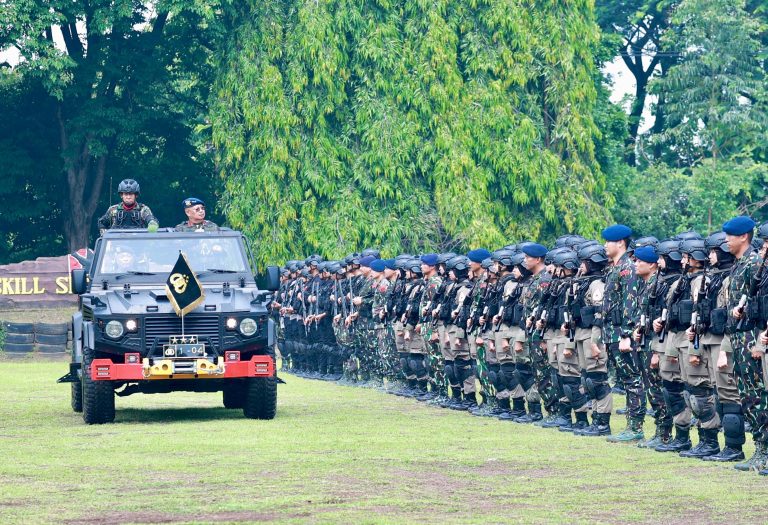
{"points": [[194, 208], [744, 358], [620, 299]]}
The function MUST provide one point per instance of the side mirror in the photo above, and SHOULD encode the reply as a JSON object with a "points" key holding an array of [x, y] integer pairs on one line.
{"points": [[79, 279], [269, 280]]}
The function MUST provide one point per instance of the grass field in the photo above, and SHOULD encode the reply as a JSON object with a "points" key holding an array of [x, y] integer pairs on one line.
{"points": [[333, 455]]}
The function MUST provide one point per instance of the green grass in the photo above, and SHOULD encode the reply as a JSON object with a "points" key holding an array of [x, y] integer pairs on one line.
{"points": [[333, 455]]}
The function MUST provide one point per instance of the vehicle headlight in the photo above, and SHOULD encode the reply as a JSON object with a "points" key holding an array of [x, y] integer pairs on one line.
{"points": [[248, 327], [114, 329], [231, 323], [131, 325]]}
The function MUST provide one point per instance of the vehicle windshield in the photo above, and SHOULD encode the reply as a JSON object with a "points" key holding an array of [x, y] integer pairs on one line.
{"points": [[157, 256]]}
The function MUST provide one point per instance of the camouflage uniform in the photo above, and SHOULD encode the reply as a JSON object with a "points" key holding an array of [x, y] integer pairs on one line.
{"points": [[748, 371], [205, 226], [434, 358], [118, 217], [542, 389], [619, 306]]}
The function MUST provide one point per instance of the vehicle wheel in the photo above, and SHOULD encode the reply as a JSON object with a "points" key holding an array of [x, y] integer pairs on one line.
{"points": [[77, 396], [98, 396], [234, 395], [260, 398]]}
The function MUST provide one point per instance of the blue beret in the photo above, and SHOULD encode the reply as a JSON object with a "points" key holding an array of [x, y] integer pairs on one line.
{"points": [[647, 254], [192, 201], [390, 264], [739, 225], [367, 260], [378, 265], [477, 256], [617, 232], [534, 250], [429, 259]]}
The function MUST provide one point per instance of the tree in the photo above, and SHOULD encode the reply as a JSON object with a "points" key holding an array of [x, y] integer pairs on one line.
{"points": [[636, 29], [407, 125], [123, 66], [30, 216]]}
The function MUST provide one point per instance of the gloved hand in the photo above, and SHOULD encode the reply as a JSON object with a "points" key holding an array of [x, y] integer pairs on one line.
{"points": [[152, 227]]}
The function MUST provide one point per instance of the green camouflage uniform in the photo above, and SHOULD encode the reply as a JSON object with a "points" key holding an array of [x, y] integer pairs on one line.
{"points": [[205, 226]]}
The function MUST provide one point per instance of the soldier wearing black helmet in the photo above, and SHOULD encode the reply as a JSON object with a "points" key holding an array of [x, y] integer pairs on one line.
{"points": [[671, 325], [565, 266], [587, 300], [129, 214], [516, 365], [694, 363], [458, 369], [647, 264]]}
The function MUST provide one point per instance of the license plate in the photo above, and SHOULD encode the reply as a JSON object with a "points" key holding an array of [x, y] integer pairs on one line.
{"points": [[184, 346]]}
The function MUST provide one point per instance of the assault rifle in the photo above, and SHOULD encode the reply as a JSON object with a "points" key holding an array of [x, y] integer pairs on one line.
{"points": [[645, 317], [754, 285], [697, 317]]}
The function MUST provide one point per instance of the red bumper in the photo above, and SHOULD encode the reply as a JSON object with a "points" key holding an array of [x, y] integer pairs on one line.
{"points": [[106, 370]]}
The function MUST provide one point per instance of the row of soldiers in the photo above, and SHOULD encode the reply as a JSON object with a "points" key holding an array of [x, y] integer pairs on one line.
{"points": [[682, 321]]}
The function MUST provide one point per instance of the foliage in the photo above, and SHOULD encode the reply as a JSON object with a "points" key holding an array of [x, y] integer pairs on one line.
{"points": [[341, 124], [127, 87], [716, 98], [30, 221]]}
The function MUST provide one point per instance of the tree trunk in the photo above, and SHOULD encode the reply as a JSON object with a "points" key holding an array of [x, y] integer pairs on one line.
{"points": [[636, 115], [85, 177]]}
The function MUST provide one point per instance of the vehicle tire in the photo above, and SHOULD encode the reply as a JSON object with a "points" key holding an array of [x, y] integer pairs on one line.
{"points": [[234, 395], [52, 349], [51, 339], [77, 396], [19, 348], [19, 338], [19, 328], [260, 398], [98, 396], [51, 328]]}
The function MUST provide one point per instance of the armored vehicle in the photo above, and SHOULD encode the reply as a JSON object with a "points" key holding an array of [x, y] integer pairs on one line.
{"points": [[128, 338]]}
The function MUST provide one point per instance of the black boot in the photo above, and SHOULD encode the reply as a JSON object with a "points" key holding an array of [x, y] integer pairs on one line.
{"points": [[707, 445], [518, 409], [454, 399], [581, 423], [601, 426], [681, 442], [533, 415], [563, 417], [502, 407]]}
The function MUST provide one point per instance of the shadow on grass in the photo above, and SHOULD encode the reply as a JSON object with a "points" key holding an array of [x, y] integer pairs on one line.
{"points": [[166, 415]]}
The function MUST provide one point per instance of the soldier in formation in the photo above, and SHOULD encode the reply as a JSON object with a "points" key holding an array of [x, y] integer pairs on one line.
{"points": [[528, 334]]}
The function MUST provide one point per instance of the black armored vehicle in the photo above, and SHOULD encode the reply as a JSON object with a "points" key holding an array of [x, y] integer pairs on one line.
{"points": [[129, 339]]}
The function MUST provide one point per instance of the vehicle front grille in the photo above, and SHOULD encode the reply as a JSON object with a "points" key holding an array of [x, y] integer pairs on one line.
{"points": [[164, 327]]}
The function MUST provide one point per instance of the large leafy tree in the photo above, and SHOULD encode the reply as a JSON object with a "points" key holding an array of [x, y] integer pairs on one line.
{"points": [[407, 124], [635, 29], [123, 71]]}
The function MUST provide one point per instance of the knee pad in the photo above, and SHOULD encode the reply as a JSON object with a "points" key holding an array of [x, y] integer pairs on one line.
{"points": [[733, 424], [524, 376], [415, 362], [450, 373], [507, 372], [596, 385], [673, 397], [532, 395], [463, 369], [702, 407]]}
